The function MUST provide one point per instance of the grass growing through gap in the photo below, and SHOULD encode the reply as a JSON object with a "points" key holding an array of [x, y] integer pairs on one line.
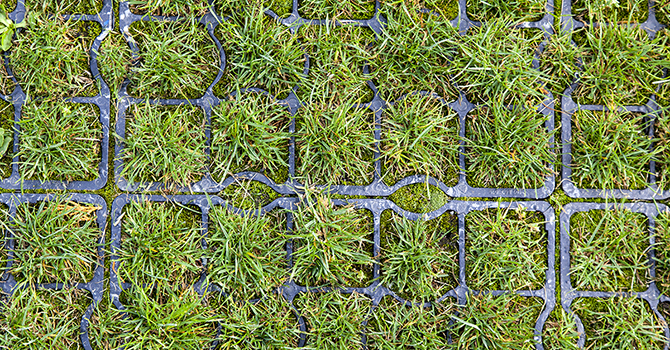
{"points": [[246, 254], [248, 194], [60, 141], [662, 253], [4, 217], [178, 59], [419, 198], [51, 58], [7, 124], [420, 137], [334, 144], [337, 10], [164, 143], [334, 320], [55, 241], [332, 245], [505, 250], [635, 11], [161, 242], [265, 325], [619, 323], [250, 133], [419, 258], [396, 326], [612, 150], [502, 322], [170, 7], [64, 6], [415, 50], [609, 251], [164, 316], [560, 331], [507, 147], [43, 319], [621, 65], [513, 11], [260, 53]]}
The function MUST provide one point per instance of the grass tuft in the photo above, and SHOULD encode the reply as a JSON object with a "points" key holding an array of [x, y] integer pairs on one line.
{"points": [[170, 7], [248, 194], [560, 331], [7, 125], [516, 11], [64, 6], [611, 11], [337, 10], [419, 198], [662, 252]]}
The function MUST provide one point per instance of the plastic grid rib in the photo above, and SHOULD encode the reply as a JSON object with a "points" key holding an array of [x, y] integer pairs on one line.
{"points": [[375, 291], [568, 294], [569, 107], [18, 99], [377, 106], [9, 285]]}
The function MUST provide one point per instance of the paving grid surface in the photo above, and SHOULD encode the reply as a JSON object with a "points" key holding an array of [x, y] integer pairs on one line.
{"points": [[377, 188]]}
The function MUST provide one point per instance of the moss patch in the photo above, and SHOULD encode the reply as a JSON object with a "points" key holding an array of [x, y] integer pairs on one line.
{"points": [[662, 251], [505, 250], [4, 223], [419, 258], [419, 198], [609, 251], [248, 194]]}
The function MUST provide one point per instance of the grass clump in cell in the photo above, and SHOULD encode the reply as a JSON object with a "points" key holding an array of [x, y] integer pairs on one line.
{"points": [[560, 331], [396, 326], [160, 242], [7, 126], [43, 319], [507, 148], [662, 253], [248, 194], [178, 59], [502, 322], [165, 144], [156, 318], [54, 7], [331, 245], [334, 144], [336, 10], [246, 254], [513, 11], [282, 8], [419, 258], [420, 137], [612, 150], [334, 320], [60, 141], [267, 324], [608, 251], [260, 53], [114, 60], [250, 133], [619, 323], [505, 250], [170, 7], [620, 65], [51, 58], [419, 198], [609, 11], [55, 241]]}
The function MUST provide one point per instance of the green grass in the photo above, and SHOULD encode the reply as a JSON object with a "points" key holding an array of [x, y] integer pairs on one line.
{"points": [[282, 8], [396, 326], [161, 317], [620, 65], [419, 258], [60, 141], [611, 11], [7, 124], [6, 83], [664, 308], [248, 194], [334, 144], [663, 253], [161, 242], [503, 322], [609, 251], [507, 148], [337, 10], [64, 7], [513, 11], [55, 241], [420, 137], [612, 150], [619, 323], [332, 245], [43, 319], [560, 331], [53, 56], [4, 215], [177, 59], [250, 133], [170, 7], [164, 143], [114, 60], [505, 250], [246, 254], [334, 320], [260, 53], [663, 11], [419, 198], [266, 325]]}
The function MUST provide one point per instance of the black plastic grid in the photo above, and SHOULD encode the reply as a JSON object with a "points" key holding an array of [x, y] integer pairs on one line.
{"points": [[568, 294], [375, 291], [377, 105], [569, 107], [18, 98], [8, 285]]}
